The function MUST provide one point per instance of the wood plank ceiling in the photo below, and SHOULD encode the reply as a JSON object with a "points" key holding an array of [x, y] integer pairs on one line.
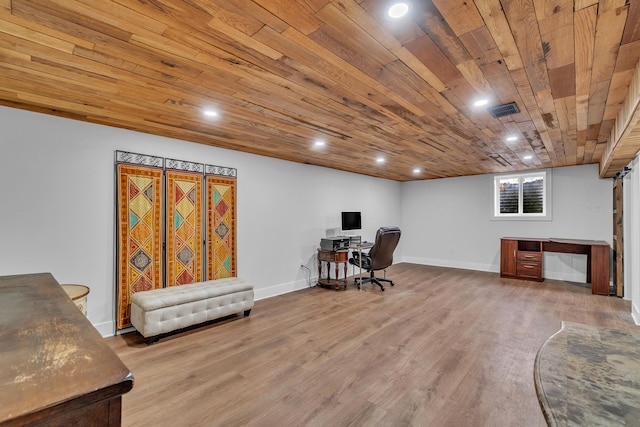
{"points": [[285, 73]]}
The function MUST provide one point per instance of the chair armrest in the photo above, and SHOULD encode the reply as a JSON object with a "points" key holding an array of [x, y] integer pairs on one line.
{"points": [[355, 260]]}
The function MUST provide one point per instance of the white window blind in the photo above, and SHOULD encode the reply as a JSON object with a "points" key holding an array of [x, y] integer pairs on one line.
{"points": [[533, 195], [521, 195]]}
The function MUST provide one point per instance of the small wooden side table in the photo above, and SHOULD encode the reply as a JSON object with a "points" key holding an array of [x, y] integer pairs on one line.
{"points": [[336, 257]]}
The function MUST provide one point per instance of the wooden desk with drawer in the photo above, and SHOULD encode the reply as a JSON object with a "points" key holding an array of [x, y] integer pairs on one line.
{"points": [[521, 258]]}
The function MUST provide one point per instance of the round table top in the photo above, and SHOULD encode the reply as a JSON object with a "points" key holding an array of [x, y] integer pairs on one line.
{"points": [[589, 375], [76, 291]]}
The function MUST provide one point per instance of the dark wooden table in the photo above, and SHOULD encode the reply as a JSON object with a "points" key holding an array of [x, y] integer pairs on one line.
{"points": [[55, 368]]}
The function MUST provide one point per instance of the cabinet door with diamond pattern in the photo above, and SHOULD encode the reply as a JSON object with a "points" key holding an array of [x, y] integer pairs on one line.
{"points": [[184, 228], [139, 249], [221, 227]]}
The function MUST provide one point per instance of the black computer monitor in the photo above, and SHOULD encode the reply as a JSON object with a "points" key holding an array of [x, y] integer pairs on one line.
{"points": [[351, 221]]}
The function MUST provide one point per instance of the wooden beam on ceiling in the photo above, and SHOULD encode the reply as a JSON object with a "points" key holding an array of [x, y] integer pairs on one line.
{"points": [[624, 141]]}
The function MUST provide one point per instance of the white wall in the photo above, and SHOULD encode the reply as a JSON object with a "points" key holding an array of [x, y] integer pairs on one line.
{"points": [[57, 205], [631, 237], [448, 221], [57, 210]]}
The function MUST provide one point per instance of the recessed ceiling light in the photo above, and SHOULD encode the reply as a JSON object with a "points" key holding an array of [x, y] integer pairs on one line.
{"points": [[417, 170], [512, 138], [398, 10], [380, 160], [528, 157], [210, 113], [319, 143], [481, 102]]}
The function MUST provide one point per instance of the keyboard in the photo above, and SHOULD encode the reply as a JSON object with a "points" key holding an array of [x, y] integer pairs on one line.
{"points": [[364, 245]]}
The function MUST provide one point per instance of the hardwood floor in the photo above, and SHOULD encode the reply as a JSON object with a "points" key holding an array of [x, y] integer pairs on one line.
{"points": [[444, 347]]}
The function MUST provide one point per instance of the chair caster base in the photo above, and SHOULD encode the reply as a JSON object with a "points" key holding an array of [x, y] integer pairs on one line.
{"points": [[374, 281]]}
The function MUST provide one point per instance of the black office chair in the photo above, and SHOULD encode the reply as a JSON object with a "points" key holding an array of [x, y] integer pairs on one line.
{"points": [[379, 257]]}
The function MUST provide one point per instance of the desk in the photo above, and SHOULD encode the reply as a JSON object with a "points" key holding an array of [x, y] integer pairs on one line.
{"points": [[337, 257], [56, 368], [587, 375], [521, 258]]}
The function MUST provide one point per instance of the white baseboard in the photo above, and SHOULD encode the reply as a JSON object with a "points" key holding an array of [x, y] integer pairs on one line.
{"points": [[105, 329], [567, 276], [451, 264], [635, 313], [284, 288]]}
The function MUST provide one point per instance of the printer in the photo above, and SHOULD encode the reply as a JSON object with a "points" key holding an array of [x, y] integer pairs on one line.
{"points": [[334, 243]]}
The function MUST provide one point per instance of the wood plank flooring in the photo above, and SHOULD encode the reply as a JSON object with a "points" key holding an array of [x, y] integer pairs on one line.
{"points": [[444, 347]]}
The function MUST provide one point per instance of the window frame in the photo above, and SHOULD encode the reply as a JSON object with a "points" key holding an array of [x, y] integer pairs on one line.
{"points": [[546, 197]]}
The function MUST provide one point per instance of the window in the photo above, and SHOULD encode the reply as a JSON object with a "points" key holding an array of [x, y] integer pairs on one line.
{"points": [[521, 196]]}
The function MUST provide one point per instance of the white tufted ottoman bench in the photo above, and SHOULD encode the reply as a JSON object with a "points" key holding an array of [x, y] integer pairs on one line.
{"points": [[160, 311]]}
